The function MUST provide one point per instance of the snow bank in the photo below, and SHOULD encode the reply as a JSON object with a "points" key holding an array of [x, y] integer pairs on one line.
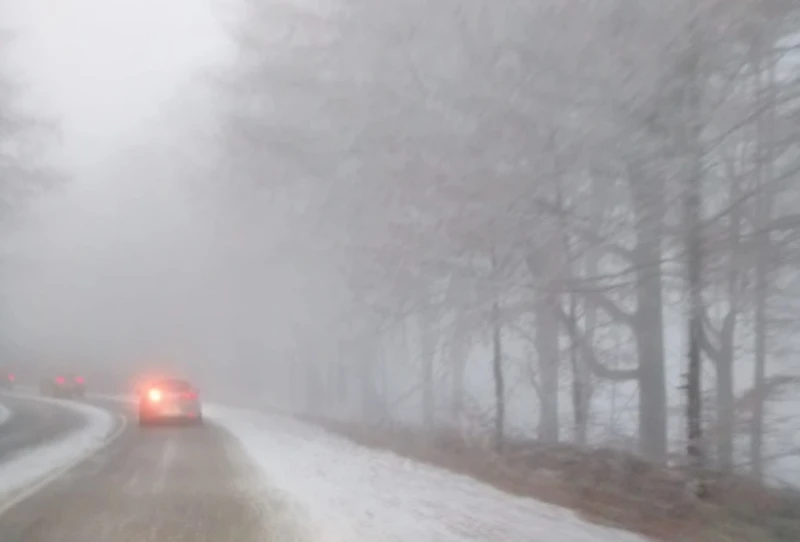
{"points": [[32, 465], [342, 492]]}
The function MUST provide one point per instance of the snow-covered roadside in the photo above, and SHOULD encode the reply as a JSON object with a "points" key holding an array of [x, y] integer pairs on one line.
{"points": [[5, 414], [342, 492], [32, 465]]}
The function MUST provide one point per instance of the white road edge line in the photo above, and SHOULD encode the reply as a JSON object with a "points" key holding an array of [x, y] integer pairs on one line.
{"points": [[48, 479]]}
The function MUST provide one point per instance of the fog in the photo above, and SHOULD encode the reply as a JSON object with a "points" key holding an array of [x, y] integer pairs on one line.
{"points": [[106, 69], [498, 221], [120, 262]]}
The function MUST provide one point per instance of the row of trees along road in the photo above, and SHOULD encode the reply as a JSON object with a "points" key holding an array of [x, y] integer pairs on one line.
{"points": [[26, 142], [26, 165], [614, 184]]}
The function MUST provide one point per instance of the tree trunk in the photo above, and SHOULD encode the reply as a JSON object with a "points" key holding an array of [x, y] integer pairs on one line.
{"points": [[366, 354], [547, 350], [760, 338], [428, 354], [652, 380], [342, 376], [458, 361], [723, 360], [648, 323], [759, 372], [725, 414], [581, 374], [382, 367], [297, 383], [313, 388], [499, 385], [694, 388], [580, 383], [726, 417], [765, 161], [694, 269]]}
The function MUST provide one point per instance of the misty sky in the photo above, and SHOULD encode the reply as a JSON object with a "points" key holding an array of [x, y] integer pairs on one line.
{"points": [[114, 256], [103, 68]]}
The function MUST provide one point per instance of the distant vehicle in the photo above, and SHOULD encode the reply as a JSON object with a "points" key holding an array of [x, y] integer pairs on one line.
{"points": [[168, 399], [7, 380], [68, 385]]}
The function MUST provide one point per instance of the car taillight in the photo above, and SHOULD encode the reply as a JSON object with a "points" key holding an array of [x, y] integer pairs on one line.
{"points": [[154, 395], [79, 379], [11, 377], [189, 395], [59, 380]]}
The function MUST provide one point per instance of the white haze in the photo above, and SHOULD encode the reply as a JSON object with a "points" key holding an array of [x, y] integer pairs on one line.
{"points": [[105, 68], [150, 254], [120, 263]]}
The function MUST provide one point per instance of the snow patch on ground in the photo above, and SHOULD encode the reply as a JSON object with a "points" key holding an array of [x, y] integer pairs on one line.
{"points": [[5, 414], [31, 465], [341, 492]]}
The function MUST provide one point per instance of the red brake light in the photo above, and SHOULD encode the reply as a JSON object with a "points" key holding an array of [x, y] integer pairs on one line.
{"points": [[79, 379], [189, 395], [154, 395], [59, 380], [11, 377]]}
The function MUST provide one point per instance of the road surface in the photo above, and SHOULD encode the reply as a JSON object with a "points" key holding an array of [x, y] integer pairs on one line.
{"points": [[162, 484], [32, 424]]}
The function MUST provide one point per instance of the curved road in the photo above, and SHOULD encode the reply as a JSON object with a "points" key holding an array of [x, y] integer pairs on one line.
{"points": [[163, 484], [33, 423]]}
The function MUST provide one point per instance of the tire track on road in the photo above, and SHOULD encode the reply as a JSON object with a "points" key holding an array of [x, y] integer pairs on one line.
{"points": [[179, 484]]}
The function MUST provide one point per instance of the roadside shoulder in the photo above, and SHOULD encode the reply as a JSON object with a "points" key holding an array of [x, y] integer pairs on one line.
{"points": [[343, 491]]}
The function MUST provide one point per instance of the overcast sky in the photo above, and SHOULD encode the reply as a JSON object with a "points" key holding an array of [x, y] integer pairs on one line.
{"points": [[106, 254], [104, 68]]}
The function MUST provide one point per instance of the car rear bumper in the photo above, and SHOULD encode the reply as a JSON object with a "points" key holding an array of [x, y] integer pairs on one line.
{"points": [[145, 421], [171, 416], [166, 414]]}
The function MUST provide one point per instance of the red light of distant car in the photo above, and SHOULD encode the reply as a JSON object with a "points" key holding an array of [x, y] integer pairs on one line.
{"points": [[189, 395], [11, 377], [79, 379], [59, 380], [154, 395]]}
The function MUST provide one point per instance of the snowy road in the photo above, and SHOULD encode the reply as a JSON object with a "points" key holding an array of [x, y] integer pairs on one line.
{"points": [[163, 484], [32, 423], [249, 476]]}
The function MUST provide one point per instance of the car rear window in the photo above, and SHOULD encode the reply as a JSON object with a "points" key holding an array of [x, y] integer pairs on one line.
{"points": [[177, 385]]}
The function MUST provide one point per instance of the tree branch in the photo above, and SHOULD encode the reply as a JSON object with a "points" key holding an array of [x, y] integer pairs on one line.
{"points": [[599, 369], [609, 307], [713, 353]]}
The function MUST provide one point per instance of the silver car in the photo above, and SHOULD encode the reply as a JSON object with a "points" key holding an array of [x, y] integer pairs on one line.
{"points": [[169, 399]]}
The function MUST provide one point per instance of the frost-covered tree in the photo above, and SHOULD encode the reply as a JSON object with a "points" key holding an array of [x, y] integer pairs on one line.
{"points": [[561, 176]]}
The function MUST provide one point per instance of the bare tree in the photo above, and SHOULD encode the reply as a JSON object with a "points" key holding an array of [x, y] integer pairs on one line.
{"points": [[441, 184]]}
